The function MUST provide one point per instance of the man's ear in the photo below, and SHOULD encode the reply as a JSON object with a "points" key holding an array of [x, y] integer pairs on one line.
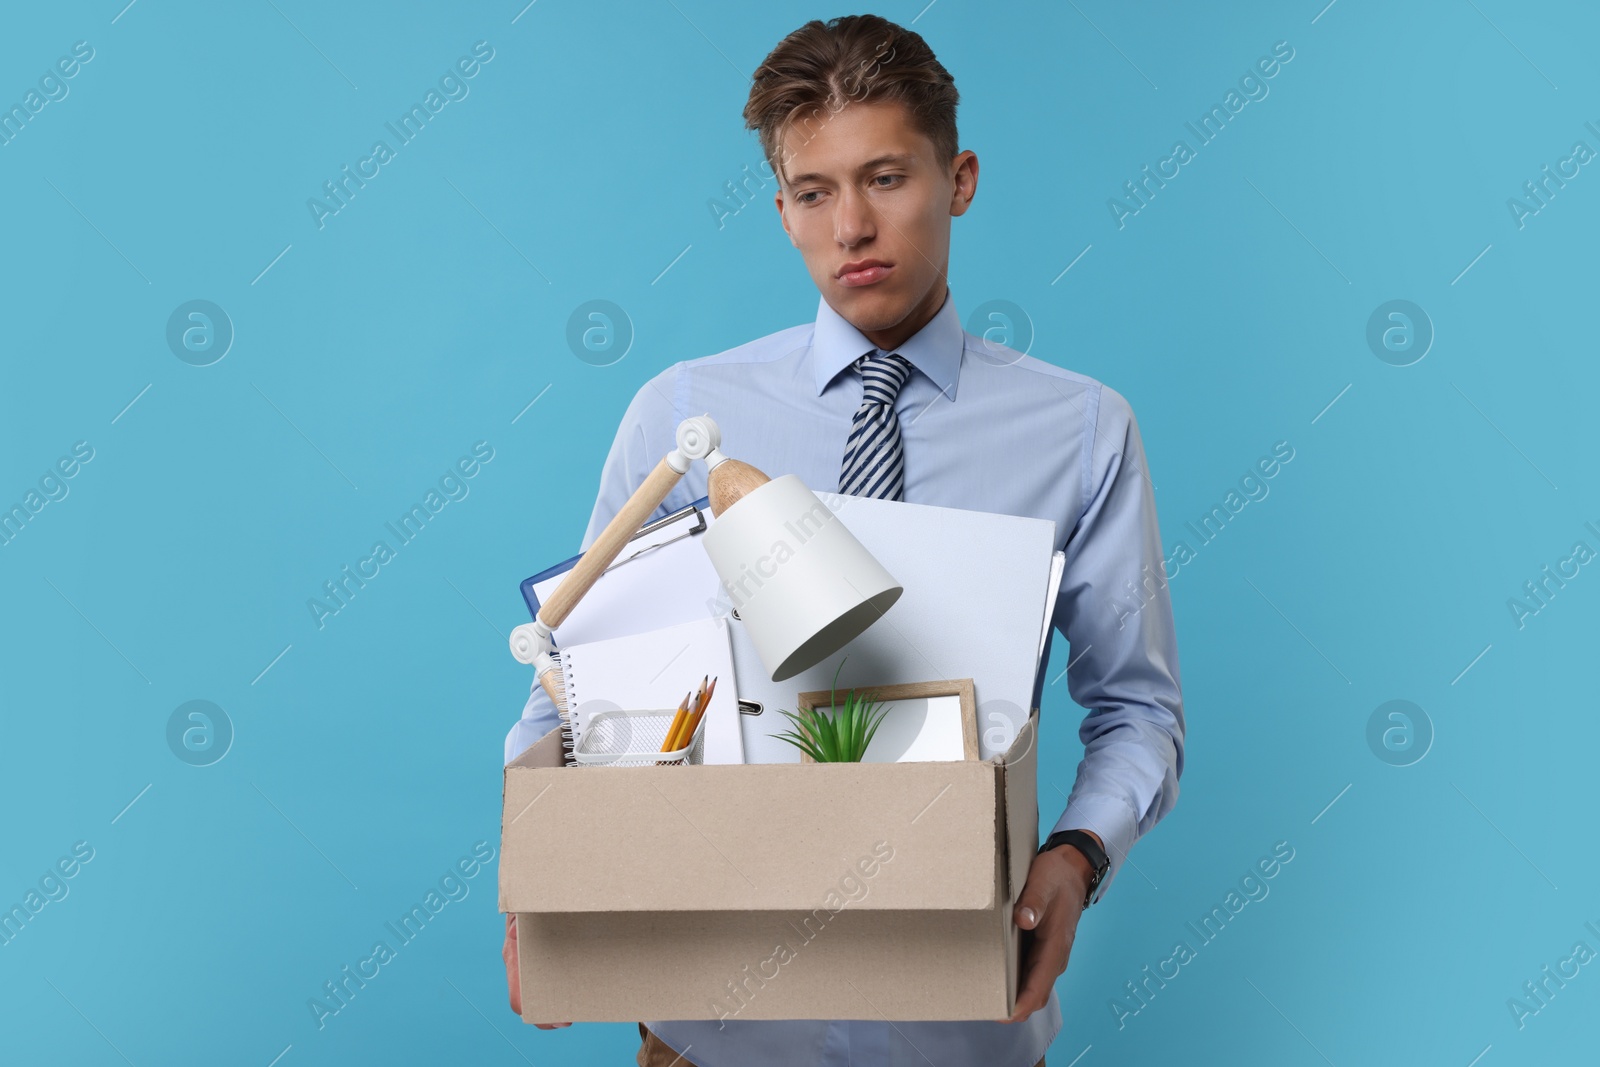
{"points": [[964, 182], [777, 200]]}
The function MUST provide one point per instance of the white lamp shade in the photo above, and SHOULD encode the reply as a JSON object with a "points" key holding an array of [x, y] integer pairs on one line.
{"points": [[803, 586]]}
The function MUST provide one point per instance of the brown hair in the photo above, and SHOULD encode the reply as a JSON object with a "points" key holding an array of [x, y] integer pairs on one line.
{"points": [[852, 59]]}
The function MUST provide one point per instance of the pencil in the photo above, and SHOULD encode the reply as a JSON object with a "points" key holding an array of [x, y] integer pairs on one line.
{"points": [[694, 719], [677, 721], [676, 736], [680, 737]]}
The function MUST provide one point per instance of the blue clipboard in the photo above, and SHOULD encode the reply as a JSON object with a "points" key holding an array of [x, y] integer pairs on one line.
{"points": [[698, 526]]}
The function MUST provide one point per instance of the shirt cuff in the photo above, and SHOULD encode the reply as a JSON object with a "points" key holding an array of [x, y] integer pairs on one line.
{"points": [[1112, 818]]}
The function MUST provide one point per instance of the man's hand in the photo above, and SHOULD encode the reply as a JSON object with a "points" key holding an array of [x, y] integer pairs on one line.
{"points": [[1050, 905], [514, 976]]}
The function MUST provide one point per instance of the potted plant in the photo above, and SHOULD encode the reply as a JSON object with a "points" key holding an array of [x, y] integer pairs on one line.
{"points": [[842, 737]]}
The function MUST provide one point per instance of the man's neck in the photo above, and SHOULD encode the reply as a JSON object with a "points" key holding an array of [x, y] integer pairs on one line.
{"points": [[903, 331]]}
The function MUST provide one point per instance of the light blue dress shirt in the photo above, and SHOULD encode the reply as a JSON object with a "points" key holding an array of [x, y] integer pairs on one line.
{"points": [[985, 428]]}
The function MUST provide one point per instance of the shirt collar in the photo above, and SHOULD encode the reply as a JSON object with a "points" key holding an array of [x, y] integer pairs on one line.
{"points": [[935, 350]]}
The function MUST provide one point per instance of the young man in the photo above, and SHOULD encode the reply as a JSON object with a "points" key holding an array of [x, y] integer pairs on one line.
{"points": [[886, 395]]}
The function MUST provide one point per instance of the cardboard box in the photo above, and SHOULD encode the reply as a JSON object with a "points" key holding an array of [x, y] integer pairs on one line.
{"points": [[768, 891]]}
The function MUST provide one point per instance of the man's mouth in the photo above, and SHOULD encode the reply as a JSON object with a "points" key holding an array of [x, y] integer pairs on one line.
{"points": [[863, 272]]}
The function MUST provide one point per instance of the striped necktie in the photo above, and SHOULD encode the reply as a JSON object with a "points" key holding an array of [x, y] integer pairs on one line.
{"points": [[874, 457]]}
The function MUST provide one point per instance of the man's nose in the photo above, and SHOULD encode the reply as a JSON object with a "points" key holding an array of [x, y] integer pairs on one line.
{"points": [[852, 220]]}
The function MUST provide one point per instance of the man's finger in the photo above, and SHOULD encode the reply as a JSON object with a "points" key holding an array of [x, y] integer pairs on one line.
{"points": [[508, 952], [1031, 912], [1047, 958], [514, 977], [1038, 892]]}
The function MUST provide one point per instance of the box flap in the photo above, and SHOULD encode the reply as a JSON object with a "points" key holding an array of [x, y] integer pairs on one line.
{"points": [[736, 966], [1021, 784], [749, 836]]}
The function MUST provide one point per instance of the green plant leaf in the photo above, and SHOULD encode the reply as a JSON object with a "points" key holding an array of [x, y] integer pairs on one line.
{"points": [[830, 737], [858, 738], [803, 741], [802, 737], [844, 721], [882, 714], [804, 746], [837, 755], [817, 736], [801, 729]]}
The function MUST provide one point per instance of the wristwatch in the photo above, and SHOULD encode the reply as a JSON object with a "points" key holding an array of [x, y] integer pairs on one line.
{"points": [[1085, 844]]}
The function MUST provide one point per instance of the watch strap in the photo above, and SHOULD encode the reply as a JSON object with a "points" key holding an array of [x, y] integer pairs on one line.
{"points": [[1084, 843]]}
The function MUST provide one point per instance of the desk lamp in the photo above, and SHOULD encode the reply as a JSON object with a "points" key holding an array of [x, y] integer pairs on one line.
{"points": [[800, 582]]}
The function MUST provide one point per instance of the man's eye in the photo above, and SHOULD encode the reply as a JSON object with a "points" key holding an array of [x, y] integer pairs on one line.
{"points": [[891, 177], [802, 198]]}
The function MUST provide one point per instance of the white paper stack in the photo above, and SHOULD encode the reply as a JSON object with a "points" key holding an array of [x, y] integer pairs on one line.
{"points": [[976, 588]]}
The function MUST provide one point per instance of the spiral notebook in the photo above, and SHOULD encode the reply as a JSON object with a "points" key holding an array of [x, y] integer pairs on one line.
{"points": [[655, 669]]}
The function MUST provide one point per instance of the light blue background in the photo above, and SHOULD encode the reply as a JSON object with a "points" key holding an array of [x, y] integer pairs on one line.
{"points": [[428, 313]]}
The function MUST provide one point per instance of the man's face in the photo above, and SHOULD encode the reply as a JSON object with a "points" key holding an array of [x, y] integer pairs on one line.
{"points": [[862, 186]]}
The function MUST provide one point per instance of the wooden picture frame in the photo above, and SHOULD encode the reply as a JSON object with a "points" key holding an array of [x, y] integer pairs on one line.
{"points": [[950, 740]]}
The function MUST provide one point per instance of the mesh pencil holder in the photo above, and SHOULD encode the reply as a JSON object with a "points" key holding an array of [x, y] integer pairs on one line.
{"points": [[630, 738]]}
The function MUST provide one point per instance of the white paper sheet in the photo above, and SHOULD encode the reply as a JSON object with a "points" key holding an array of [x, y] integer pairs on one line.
{"points": [[1058, 564]]}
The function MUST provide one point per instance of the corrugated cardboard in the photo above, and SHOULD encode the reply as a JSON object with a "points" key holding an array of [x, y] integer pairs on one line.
{"points": [[768, 891]]}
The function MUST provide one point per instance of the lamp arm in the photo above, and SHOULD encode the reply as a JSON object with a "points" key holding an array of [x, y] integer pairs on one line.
{"points": [[697, 438]]}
